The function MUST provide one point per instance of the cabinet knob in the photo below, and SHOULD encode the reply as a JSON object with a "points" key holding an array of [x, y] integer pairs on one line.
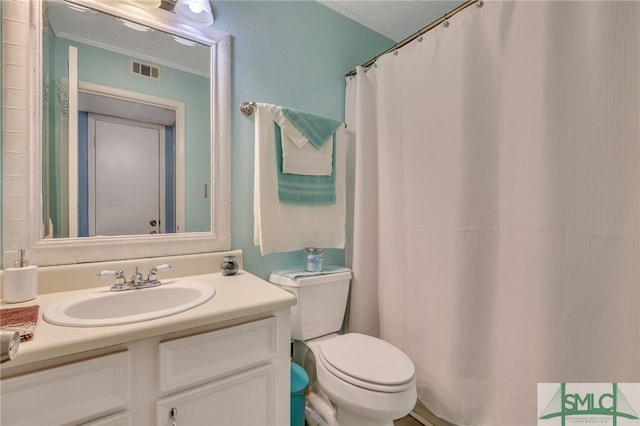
{"points": [[173, 413]]}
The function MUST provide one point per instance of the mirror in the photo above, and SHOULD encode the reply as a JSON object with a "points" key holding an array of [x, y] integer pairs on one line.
{"points": [[140, 101], [39, 150]]}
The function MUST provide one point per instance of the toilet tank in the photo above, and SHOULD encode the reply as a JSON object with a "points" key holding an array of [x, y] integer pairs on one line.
{"points": [[321, 302]]}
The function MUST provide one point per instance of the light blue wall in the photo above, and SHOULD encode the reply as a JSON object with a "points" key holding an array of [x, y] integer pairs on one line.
{"points": [[292, 53]]}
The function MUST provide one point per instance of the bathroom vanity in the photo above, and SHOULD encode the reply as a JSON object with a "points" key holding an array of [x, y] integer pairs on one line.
{"points": [[225, 362]]}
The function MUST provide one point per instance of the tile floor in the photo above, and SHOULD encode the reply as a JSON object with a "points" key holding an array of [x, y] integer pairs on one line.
{"points": [[421, 416], [409, 421]]}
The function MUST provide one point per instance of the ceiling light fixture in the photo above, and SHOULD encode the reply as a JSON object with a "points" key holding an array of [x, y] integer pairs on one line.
{"points": [[184, 41], [79, 8], [134, 26], [198, 12]]}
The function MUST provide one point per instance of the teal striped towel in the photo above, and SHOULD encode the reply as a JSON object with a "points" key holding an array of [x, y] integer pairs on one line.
{"points": [[304, 189], [296, 273], [316, 128]]}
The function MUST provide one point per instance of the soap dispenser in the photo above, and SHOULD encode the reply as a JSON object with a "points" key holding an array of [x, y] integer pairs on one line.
{"points": [[20, 283]]}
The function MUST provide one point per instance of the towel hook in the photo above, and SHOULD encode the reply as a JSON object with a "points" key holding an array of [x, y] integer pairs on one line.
{"points": [[247, 107]]}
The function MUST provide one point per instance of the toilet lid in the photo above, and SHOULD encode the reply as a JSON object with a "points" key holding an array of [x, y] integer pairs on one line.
{"points": [[367, 359]]}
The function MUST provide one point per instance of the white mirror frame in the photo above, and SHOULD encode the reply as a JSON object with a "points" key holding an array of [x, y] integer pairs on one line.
{"points": [[22, 109]]}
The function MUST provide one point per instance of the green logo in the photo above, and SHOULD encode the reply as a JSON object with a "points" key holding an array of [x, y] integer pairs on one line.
{"points": [[590, 403]]}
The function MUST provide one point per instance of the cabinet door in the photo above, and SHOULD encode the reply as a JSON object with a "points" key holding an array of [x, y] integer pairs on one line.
{"points": [[194, 360], [120, 419], [244, 399], [68, 394]]}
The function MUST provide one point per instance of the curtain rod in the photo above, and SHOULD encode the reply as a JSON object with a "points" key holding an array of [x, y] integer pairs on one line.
{"points": [[418, 33]]}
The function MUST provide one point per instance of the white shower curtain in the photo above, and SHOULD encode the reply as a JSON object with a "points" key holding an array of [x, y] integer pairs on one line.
{"points": [[497, 204]]}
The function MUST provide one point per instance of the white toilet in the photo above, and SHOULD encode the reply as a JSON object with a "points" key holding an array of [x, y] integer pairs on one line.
{"points": [[370, 381]]}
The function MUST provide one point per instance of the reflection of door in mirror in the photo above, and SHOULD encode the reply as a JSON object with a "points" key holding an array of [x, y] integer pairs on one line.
{"points": [[127, 182], [201, 100], [112, 59]]}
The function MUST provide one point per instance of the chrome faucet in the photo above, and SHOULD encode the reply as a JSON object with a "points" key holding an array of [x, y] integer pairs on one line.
{"points": [[137, 280]]}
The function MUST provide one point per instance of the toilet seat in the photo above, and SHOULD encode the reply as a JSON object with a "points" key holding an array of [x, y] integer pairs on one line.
{"points": [[367, 362]]}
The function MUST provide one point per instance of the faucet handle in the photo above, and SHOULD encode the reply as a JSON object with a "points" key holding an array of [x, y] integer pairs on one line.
{"points": [[120, 280], [160, 268], [107, 273]]}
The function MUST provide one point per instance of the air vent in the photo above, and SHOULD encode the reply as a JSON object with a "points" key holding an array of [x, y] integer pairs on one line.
{"points": [[145, 70]]}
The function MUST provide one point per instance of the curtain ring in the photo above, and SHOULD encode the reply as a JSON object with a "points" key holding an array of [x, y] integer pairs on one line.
{"points": [[480, 3], [420, 38], [395, 52], [445, 23]]}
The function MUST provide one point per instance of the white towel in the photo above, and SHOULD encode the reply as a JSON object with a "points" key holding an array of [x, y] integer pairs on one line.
{"points": [[282, 227], [307, 160], [299, 156]]}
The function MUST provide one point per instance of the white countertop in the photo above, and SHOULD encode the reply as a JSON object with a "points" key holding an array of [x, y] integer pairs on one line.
{"points": [[236, 296]]}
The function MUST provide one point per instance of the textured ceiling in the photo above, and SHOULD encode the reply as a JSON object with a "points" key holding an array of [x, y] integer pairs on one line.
{"points": [[395, 19]]}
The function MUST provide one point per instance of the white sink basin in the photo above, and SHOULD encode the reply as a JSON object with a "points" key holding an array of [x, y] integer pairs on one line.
{"points": [[104, 307]]}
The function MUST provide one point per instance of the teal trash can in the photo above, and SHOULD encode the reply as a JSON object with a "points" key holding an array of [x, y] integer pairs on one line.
{"points": [[299, 385]]}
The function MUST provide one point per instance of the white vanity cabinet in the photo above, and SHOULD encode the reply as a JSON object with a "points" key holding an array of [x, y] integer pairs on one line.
{"points": [[119, 419], [67, 394], [230, 376], [234, 375], [245, 398]]}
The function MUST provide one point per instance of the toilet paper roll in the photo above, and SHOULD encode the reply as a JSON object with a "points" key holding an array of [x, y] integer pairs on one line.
{"points": [[9, 343]]}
